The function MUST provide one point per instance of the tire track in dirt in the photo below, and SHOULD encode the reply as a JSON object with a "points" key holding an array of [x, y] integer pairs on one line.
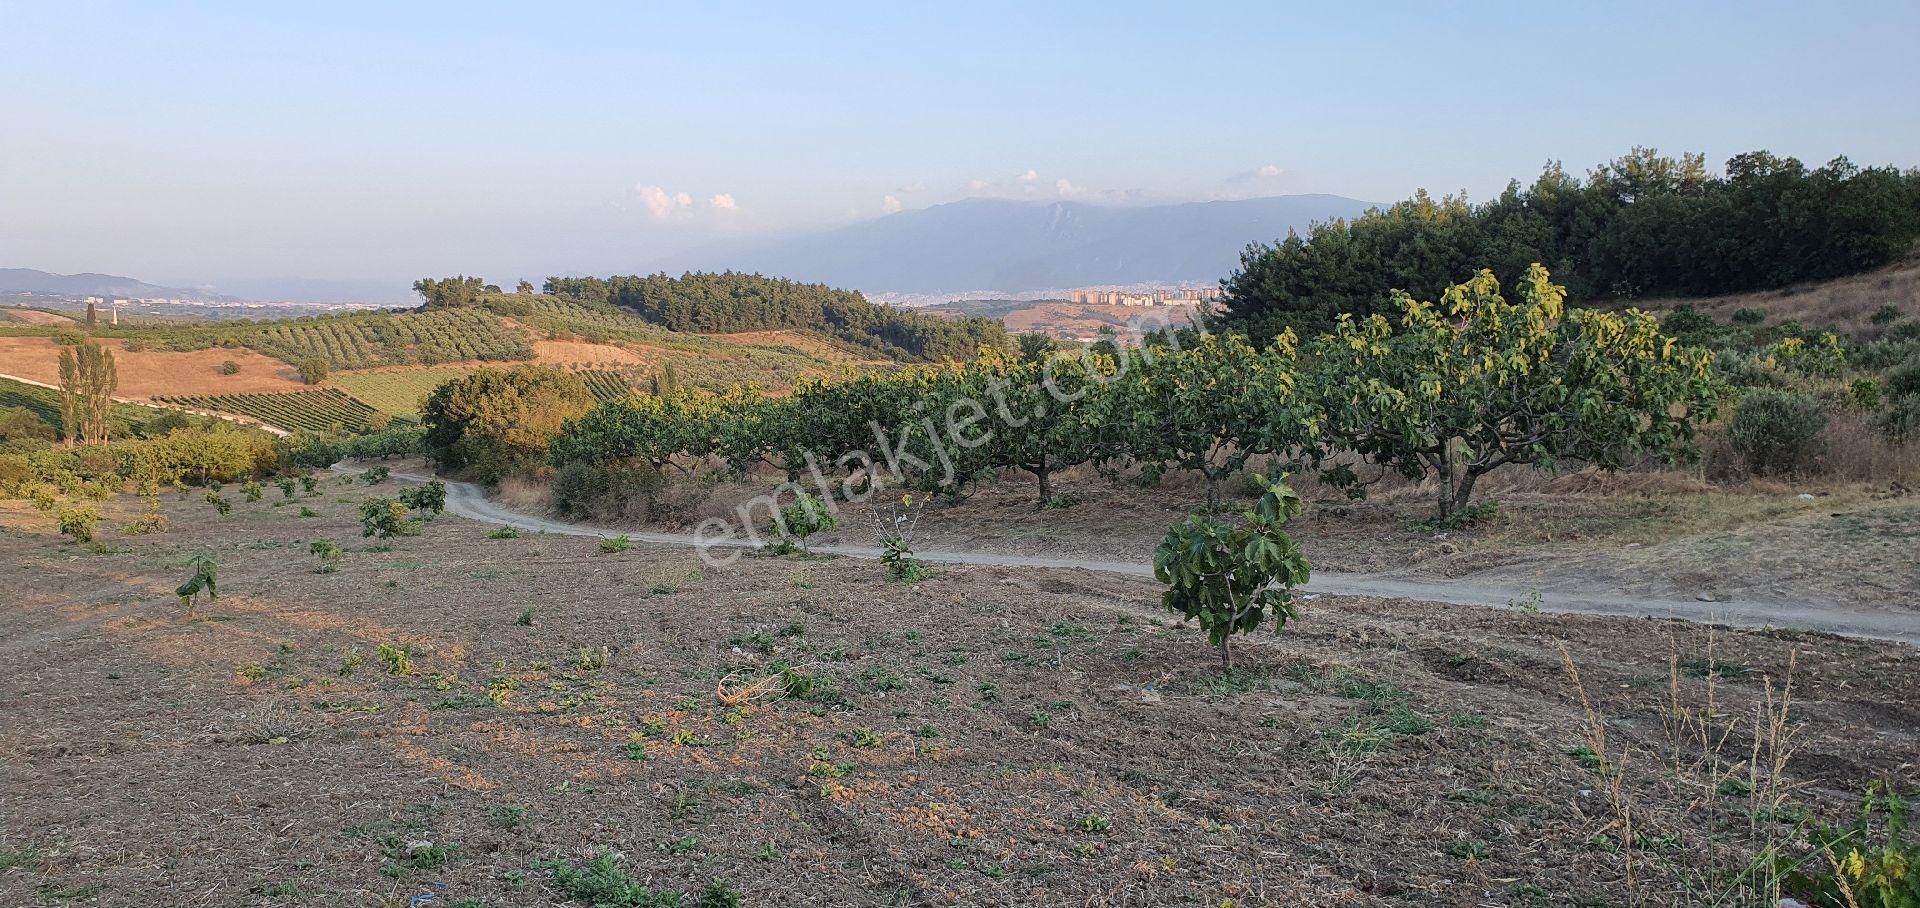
{"points": [[467, 500]]}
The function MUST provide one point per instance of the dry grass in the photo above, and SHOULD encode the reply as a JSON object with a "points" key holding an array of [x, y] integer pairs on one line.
{"points": [[1844, 304]]}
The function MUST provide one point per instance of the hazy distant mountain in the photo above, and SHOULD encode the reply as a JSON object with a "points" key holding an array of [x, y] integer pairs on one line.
{"points": [[20, 280], [322, 290], [1000, 245]]}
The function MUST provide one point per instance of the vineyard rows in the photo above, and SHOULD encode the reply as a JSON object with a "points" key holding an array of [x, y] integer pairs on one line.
{"points": [[364, 341], [317, 411]]}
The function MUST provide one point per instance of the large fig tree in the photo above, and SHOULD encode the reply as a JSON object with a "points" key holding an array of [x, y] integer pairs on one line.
{"points": [[1459, 388]]}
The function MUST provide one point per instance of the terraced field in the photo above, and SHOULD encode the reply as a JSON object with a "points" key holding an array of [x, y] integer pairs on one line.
{"points": [[317, 410]]}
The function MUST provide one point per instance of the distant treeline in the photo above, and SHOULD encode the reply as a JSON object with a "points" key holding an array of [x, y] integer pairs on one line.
{"points": [[1645, 225], [730, 302]]}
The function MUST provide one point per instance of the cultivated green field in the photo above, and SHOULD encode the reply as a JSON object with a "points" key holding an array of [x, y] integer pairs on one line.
{"points": [[398, 393], [317, 411], [355, 341]]}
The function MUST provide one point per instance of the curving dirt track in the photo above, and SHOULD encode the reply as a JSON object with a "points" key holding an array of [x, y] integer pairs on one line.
{"points": [[469, 501]]}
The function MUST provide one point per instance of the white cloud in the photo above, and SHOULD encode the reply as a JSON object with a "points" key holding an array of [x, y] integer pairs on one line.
{"points": [[1066, 189], [1031, 176], [977, 185], [1258, 174], [889, 204], [660, 202], [723, 201]]}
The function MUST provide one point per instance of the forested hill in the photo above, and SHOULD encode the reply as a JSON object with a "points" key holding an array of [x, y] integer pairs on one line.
{"points": [[1644, 225], [729, 302]]}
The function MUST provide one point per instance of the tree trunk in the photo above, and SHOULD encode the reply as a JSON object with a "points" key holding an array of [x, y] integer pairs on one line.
{"points": [[1213, 487], [1445, 480], [1046, 483], [1464, 491], [1226, 653]]}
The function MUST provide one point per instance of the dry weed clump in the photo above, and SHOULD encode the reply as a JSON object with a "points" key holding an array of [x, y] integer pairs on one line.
{"points": [[1723, 770]]}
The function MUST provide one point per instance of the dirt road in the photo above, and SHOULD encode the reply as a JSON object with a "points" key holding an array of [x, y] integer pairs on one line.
{"points": [[469, 501]]}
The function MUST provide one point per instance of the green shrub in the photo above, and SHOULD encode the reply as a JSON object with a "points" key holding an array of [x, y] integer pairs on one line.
{"points": [[1777, 432], [1866, 393], [616, 544], [1900, 421], [1869, 864], [430, 497], [1904, 380], [79, 523], [385, 518], [606, 490], [805, 517], [603, 884], [203, 579], [1229, 578]]}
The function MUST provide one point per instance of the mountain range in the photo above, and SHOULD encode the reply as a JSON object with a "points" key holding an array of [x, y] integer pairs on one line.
{"points": [[1016, 246], [994, 245], [27, 280]]}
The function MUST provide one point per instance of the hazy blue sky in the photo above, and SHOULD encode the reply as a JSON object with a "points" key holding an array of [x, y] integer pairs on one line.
{"points": [[227, 142]]}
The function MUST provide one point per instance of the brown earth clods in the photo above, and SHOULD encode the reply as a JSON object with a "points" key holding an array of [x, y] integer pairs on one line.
{"points": [[988, 736]]}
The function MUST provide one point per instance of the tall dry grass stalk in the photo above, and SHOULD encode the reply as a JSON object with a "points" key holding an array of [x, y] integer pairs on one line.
{"points": [[1699, 768]]}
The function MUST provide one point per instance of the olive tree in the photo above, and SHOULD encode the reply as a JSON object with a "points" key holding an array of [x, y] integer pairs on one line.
{"points": [[1459, 388]]}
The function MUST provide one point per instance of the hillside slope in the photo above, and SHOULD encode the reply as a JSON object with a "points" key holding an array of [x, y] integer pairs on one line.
{"points": [[1845, 304]]}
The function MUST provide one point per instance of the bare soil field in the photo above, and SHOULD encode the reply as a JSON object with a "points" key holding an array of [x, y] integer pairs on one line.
{"points": [[23, 316], [581, 353], [1084, 320], [157, 373], [393, 729]]}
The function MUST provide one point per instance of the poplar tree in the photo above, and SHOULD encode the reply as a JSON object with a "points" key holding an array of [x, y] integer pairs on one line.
{"points": [[88, 379]]}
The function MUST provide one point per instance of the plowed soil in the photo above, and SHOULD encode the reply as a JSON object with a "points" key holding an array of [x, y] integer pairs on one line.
{"points": [[987, 736]]}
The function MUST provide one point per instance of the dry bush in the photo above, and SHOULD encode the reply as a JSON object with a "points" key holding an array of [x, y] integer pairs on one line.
{"points": [[529, 494]]}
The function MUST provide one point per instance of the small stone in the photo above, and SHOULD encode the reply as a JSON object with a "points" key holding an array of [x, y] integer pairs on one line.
{"points": [[414, 848], [1804, 496], [1706, 597], [1791, 902]]}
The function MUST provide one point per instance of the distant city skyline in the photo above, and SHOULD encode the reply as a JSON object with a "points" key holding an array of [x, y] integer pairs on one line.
{"points": [[360, 144]]}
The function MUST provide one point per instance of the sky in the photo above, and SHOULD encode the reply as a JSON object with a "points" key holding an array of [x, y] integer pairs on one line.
{"points": [[226, 144]]}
